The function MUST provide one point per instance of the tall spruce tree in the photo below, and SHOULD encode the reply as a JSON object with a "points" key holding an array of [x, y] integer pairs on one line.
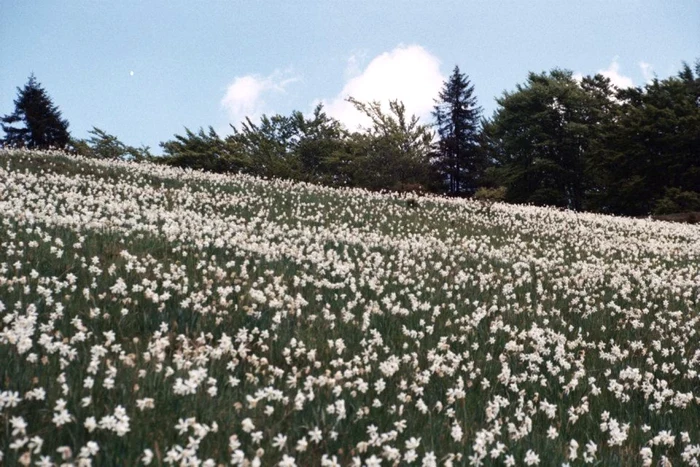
{"points": [[42, 127], [458, 155]]}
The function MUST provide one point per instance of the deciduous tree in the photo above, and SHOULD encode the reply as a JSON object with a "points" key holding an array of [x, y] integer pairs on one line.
{"points": [[394, 151]]}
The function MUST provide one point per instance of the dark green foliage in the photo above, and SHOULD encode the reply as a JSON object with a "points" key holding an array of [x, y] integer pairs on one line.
{"points": [[321, 148], [458, 153], [102, 145], [586, 145], [542, 137], [394, 151], [269, 146], [292, 146], [675, 200], [41, 123], [653, 145], [555, 140], [491, 194], [601, 113], [204, 151]]}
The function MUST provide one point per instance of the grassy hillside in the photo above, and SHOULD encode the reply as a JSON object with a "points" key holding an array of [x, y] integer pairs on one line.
{"points": [[151, 315]]}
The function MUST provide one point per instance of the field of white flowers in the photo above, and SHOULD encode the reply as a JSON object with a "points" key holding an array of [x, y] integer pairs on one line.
{"points": [[156, 316]]}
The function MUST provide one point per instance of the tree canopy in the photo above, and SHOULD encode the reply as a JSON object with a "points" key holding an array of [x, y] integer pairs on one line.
{"points": [[541, 137], [575, 142], [458, 153], [585, 145], [652, 148], [102, 145], [36, 122], [394, 151]]}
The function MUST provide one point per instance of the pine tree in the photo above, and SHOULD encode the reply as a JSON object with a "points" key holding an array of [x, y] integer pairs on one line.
{"points": [[545, 137], [458, 154], [43, 125]]}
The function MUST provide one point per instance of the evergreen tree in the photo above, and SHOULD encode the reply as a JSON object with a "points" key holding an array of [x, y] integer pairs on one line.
{"points": [[43, 125], [458, 154], [652, 151], [542, 137]]}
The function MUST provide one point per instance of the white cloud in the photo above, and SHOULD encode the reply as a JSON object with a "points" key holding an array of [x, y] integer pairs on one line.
{"points": [[407, 73], [355, 63], [246, 95], [647, 71], [617, 79]]}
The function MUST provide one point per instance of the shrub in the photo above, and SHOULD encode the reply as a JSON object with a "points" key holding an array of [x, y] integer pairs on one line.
{"points": [[490, 194], [675, 200]]}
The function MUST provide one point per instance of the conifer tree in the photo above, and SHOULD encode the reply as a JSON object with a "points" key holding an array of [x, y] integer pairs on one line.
{"points": [[458, 154], [42, 127], [545, 139]]}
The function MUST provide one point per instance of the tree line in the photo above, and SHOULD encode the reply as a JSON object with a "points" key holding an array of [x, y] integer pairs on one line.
{"points": [[573, 142]]}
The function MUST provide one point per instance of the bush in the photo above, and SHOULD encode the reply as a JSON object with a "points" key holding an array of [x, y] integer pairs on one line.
{"points": [[491, 194], [102, 145], [675, 200]]}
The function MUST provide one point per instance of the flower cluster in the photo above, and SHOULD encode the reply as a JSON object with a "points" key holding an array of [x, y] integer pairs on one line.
{"points": [[155, 315]]}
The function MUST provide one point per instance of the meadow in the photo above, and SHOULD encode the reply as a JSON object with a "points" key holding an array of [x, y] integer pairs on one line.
{"points": [[151, 315]]}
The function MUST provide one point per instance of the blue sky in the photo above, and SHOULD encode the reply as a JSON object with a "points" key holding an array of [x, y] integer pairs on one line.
{"points": [[143, 70]]}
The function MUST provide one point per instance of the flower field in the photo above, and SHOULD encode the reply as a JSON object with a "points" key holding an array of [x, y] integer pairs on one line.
{"points": [[155, 316]]}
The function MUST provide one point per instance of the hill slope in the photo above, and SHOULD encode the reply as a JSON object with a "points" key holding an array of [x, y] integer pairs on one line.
{"points": [[151, 313]]}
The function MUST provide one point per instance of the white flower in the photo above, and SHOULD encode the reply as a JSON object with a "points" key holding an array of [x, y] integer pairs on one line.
{"points": [[18, 426], [35, 444], [90, 424], [413, 443], [256, 437], [410, 456], [573, 449], [287, 461], [379, 385], [302, 444], [498, 450], [591, 448], [531, 458], [316, 435], [429, 460], [279, 441], [456, 432], [247, 425], [61, 416], [146, 403], [646, 455]]}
